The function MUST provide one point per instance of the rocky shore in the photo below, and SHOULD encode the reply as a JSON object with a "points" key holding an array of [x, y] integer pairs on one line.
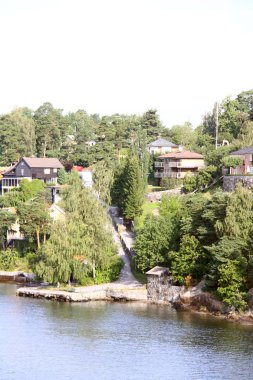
{"points": [[106, 292]]}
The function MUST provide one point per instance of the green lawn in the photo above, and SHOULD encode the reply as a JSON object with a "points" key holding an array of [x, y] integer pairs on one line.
{"points": [[147, 208]]}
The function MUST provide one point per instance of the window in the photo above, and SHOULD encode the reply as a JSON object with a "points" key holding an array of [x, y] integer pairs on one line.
{"points": [[55, 170], [22, 163], [22, 172], [46, 171]]}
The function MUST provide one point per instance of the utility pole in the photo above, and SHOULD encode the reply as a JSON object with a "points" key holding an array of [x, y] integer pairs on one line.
{"points": [[216, 125]]}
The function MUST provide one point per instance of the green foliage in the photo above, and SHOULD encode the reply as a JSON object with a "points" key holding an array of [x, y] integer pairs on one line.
{"points": [[187, 261], [8, 260], [133, 189], [62, 177], [80, 246], [230, 284], [232, 161], [152, 242], [169, 183], [190, 183], [102, 181], [158, 234], [6, 220], [205, 176]]}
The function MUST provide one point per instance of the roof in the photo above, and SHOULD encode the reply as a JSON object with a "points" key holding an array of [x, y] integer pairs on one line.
{"points": [[161, 142], [243, 151], [38, 162], [158, 271], [183, 154]]}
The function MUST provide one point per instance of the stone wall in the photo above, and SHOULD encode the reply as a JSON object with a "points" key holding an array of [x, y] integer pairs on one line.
{"points": [[158, 288], [229, 182]]}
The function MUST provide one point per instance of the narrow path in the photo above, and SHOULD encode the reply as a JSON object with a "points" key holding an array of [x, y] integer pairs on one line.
{"points": [[126, 275]]}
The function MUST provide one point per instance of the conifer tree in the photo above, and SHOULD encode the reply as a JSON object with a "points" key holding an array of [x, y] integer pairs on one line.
{"points": [[133, 189]]}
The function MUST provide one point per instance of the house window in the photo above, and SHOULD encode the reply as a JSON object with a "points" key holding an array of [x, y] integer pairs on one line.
{"points": [[22, 163], [55, 170], [22, 172], [46, 171]]}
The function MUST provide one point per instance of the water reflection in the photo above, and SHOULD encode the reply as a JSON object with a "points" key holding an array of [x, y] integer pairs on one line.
{"points": [[104, 341]]}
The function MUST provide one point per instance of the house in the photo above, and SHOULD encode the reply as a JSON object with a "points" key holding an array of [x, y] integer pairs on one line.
{"points": [[44, 169], [246, 167], [13, 233], [161, 146], [85, 174], [242, 173], [178, 164], [56, 213]]}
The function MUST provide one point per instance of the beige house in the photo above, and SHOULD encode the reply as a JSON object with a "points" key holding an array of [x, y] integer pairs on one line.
{"points": [[178, 164], [161, 146]]}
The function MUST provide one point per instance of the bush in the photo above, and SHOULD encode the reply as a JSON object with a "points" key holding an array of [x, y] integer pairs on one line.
{"points": [[170, 183], [190, 183], [9, 260]]}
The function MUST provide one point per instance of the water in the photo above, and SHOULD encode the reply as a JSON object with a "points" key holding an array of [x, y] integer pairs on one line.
{"points": [[44, 340]]}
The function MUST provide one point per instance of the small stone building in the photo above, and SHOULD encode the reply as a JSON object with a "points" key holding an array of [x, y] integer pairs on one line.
{"points": [[159, 282]]}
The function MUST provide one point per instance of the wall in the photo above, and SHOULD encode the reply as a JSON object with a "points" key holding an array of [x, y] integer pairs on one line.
{"points": [[229, 182]]}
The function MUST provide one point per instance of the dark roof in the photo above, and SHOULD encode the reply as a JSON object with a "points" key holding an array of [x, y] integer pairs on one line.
{"points": [[158, 271], [37, 162], [243, 151], [183, 154], [161, 142]]}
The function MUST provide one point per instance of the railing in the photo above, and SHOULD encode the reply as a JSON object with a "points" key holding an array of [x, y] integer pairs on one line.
{"points": [[184, 165], [168, 174], [159, 164]]}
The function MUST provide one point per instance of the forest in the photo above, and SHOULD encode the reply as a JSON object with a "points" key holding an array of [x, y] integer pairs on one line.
{"points": [[205, 234]]}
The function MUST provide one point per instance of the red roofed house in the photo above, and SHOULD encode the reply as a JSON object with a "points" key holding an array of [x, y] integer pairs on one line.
{"points": [[178, 164]]}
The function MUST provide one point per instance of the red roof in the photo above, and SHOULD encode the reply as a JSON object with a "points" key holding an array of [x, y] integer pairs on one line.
{"points": [[183, 154]]}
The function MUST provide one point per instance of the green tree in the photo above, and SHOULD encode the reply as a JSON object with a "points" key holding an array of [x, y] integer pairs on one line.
{"points": [[82, 244], [34, 220], [133, 189], [62, 176], [102, 181], [190, 183], [6, 221], [188, 260], [17, 136], [48, 130]]}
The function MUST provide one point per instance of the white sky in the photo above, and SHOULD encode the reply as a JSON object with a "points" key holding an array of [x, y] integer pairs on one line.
{"points": [[125, 56]]}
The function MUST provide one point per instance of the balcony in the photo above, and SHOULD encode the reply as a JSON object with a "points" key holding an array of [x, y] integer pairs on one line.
{"points": [[184, 165], [159, 164], [168, 175]]}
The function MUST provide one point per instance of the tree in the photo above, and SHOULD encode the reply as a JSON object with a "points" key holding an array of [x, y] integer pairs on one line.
{"points": [[80, 245], [190, 183], [183, 135], [48, 129], [17, 136], [34, 220], [232, 161], [151, 123], [7, 219], [62, 176], [187, 261], [102, 181], [133, 189], [152, 242]]}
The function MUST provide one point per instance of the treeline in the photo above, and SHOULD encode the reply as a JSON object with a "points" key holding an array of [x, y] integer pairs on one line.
{"points": [[49, 132], [78, 247], [202, 237]]}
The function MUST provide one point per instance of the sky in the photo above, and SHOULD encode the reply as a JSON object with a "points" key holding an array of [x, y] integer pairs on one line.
{"points": [[125, 56]]}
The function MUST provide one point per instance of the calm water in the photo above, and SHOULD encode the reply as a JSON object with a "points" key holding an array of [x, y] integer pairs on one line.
{"points": [[100, 341]]}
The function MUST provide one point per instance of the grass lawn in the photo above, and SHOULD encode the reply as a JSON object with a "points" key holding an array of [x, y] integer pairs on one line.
{"points": [[147, 208]]}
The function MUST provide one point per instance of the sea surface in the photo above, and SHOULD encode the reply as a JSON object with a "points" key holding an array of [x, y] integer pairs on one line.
{"points": [[44, 340]]}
